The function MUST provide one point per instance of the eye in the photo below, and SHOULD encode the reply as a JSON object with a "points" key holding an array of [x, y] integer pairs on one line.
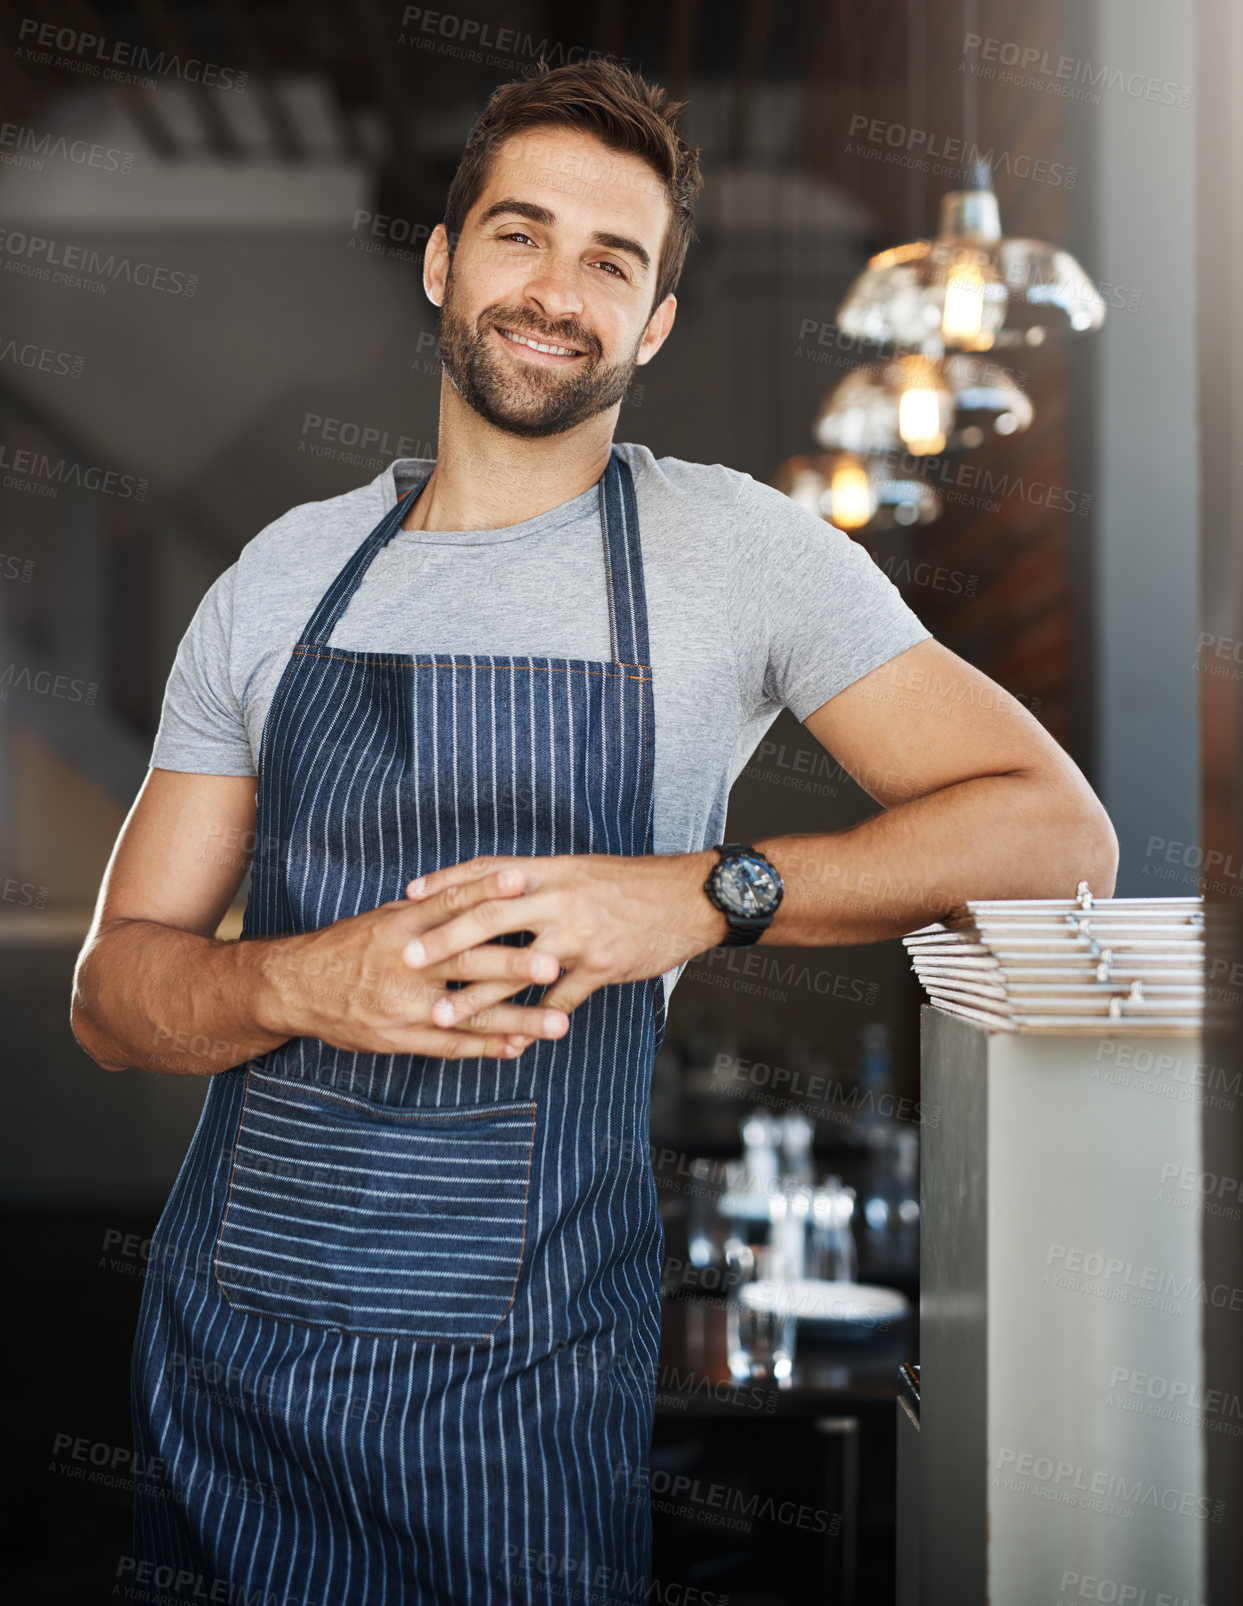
{"points": [[518, 235], [612, 267]]}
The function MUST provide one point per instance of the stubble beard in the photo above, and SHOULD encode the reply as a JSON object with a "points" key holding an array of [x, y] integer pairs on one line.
{"points": [[539, 401]]}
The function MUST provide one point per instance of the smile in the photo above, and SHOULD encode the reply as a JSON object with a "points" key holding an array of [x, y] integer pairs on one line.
{"points": [[545, 348]]}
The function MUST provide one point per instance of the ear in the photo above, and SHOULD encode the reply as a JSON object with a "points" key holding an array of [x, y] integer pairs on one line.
{"points": [[436, 265], [658, 327]]}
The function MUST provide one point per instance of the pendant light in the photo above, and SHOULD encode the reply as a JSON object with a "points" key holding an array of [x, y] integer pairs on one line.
{"points": [[971, 288], [852, 493], [922, 406]]}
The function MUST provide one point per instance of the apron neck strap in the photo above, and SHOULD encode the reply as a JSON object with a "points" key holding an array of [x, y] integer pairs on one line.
{"points": [[623, 562]]}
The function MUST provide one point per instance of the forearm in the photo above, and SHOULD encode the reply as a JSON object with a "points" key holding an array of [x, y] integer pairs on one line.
{"points": [[994, 836], [163, 999]]}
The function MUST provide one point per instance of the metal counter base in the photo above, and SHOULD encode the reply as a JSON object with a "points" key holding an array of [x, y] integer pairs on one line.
{"points": [[1061, 1302]]}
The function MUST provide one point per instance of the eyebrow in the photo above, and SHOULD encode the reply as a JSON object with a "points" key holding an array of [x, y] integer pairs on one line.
{"points": [[540, 214]]}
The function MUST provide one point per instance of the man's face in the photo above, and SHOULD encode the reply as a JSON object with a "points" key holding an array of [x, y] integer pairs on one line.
{"points": [[561, 247]]}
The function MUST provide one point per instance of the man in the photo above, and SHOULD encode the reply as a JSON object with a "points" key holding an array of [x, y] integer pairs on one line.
{"points": [[415, 1239]]}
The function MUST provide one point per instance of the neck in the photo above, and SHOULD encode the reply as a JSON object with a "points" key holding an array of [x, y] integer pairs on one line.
{"points": [[485, 479]]}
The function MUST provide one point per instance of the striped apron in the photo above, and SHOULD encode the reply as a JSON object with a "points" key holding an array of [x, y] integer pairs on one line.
{"points": [[399, 1333]]}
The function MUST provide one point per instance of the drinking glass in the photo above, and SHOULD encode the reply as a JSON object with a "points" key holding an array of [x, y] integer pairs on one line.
{"points": [[759, 1344]]}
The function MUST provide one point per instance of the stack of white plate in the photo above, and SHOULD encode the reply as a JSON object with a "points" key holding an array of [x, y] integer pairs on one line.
{"points": [[1079, 964]]}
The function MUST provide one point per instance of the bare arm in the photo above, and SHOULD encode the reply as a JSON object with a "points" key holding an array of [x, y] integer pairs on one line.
{"points": [[978, 799], [155, 988]]}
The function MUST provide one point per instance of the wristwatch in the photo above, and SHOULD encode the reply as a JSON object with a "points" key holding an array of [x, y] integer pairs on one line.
{"points": [[747, 889]]}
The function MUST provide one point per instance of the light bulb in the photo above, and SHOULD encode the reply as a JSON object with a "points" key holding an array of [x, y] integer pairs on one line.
{"points": [[962, 318], [919, 418], [850, 504]]}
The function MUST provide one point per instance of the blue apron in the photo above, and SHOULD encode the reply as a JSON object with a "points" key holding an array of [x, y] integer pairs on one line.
{"points": [[399, 1333]]}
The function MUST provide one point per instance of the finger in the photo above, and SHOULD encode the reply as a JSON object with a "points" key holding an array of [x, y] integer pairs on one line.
{"points": [[482, 1006], [485, 917], [499, 1025], [462, 1044], [426, 886], [574, 986], [504, 884], [493, 961]]}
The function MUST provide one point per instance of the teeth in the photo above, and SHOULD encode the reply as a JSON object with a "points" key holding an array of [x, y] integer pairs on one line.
{"points": [[525, 340]]}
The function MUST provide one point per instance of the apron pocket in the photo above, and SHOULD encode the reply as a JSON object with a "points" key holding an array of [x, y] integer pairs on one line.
{"points": [[373, 1219]]}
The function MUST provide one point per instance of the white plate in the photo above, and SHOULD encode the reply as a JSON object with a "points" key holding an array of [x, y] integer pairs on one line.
{"points": [[746, 1206], [852, 1304]]}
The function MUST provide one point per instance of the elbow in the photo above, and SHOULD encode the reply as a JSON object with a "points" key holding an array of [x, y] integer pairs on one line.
{"points": [[87, 1040], [86, 1029], [1091, 845], [1064, 836], [1100, 855]]}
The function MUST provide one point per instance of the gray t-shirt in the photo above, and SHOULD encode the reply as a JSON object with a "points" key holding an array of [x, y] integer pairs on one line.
{"points": [[753, 604]]}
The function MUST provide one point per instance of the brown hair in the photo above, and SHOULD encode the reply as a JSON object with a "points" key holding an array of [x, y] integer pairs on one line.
{"points": [[623, 111]]}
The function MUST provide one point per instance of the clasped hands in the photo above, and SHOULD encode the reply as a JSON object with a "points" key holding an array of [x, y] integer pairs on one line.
{"points": [[597, 919], [377, 982]]}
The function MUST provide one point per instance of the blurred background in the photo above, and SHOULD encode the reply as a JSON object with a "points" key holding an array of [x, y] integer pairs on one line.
{"points": [[211, 224]]}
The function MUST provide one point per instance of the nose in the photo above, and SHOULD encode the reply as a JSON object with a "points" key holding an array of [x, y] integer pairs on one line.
{"points": [[556, 288]]}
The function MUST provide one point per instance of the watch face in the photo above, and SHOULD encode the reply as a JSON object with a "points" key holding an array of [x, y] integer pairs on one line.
{"points": [[748, 887]]}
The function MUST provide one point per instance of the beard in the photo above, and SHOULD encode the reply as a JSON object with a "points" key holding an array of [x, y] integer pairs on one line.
{"points": [[537, 401]]}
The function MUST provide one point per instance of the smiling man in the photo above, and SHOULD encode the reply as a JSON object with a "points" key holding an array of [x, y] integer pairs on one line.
{"points": [[477, 722]]}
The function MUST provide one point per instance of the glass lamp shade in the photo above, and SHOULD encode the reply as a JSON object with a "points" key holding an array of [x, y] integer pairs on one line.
{"points": [[904, 402], [970, 289], [852, 493], [923, 407], [986, 396]]}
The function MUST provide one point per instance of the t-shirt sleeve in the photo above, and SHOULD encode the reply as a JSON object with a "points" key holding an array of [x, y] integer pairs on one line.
{"points": [[202, 729], [810, 611]]}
